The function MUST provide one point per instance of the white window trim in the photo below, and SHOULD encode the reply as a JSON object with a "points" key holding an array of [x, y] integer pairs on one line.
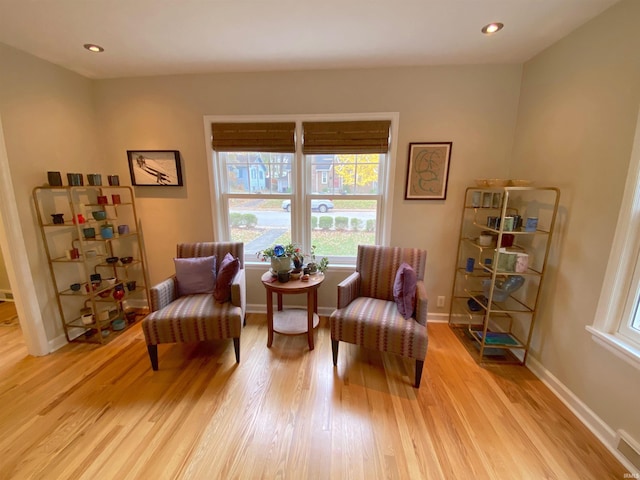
{"points": [[215, 182], [618, 280]]}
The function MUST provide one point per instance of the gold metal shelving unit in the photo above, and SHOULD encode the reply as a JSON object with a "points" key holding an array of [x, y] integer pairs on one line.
{"points": [[77, 204], [498, 327]]}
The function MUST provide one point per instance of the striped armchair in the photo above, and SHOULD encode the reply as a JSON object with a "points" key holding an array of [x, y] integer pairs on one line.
{"points": [[367, 314], [193, 318]]}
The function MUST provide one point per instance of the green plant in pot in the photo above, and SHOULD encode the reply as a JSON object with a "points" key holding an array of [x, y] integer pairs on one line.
{"points": [[320, 266], [280, 257], [323, 265], [289, 257], [316, 266]]}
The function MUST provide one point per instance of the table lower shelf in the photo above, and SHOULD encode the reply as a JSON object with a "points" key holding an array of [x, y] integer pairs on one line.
{"points": [[292, 321]]}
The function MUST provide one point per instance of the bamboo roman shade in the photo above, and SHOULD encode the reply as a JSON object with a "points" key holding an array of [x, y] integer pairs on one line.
{"points": [[254, 137], [346, 137]]}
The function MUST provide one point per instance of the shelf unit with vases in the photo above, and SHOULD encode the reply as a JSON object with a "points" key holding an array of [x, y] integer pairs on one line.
{"points": [[503, 248], [87, 231]]}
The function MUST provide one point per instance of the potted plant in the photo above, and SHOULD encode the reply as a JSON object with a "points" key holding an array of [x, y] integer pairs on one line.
{"points": [[285, 258], [315, 267], [323, 265], [280, 256]]}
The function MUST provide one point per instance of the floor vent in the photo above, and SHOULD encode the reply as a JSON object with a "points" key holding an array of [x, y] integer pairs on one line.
{"points": [[628, 447]]}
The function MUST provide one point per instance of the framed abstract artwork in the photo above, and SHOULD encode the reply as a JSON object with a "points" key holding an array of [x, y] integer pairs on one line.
{"points": [[155, 168], [428, 171]]}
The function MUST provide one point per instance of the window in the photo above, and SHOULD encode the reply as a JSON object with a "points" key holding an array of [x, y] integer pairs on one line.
{"points": [[617, 321], [255, 212], [355, 152], [631, 328], [312, 188], [629, 324], [337, 228]]}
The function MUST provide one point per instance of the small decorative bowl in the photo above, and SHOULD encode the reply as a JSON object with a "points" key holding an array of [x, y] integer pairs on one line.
{"points": [[75, 287], [475, 306], [110, 280], [99, 214], [112, 259], [118, 324], [126, 260]]}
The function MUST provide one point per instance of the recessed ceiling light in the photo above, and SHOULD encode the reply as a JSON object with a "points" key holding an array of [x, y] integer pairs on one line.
{"points": [[93, 48], [492, 28]]}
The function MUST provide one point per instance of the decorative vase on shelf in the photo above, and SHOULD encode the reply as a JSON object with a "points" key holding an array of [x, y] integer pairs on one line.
{"points": [[118, 292], [106, 231]]}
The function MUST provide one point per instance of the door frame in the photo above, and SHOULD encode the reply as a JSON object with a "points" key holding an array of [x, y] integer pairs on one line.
{"points": [[17, 262]]}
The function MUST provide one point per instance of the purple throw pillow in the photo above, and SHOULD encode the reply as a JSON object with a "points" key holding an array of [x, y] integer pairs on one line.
{"points": [[404, 290], [195, 275], [228, 269]]}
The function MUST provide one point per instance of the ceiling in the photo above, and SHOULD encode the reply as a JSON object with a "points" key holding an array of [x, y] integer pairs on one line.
{"points": [[163, 37]]}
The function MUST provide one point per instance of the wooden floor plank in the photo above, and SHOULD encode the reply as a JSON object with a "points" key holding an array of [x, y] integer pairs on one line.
{"points": [[90, 411]]}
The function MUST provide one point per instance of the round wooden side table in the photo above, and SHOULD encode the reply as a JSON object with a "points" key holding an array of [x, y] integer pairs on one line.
{"points": [[292, 321]]}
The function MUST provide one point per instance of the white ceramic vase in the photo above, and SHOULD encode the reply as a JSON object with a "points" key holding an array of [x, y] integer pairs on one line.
{"points": [[280, 264]]}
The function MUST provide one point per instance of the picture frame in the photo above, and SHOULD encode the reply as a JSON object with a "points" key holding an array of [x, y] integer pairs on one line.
{"points": [[428, 170], [155, 168]]}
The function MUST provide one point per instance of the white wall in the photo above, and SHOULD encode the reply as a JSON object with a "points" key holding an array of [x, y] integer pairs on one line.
{"points": [[472, 106], [48, 122], [576, 124]]}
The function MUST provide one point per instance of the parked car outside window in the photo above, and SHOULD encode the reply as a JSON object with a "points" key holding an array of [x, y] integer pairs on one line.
{"points": [[320, 205]]}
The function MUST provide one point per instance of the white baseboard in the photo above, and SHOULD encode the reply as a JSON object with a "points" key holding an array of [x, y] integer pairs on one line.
{"points": [[6, 296], [58, 342], [593, 422], [438, 317]]}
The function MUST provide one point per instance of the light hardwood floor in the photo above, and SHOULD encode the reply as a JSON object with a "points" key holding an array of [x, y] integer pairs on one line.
{"points": [[285, 412]]}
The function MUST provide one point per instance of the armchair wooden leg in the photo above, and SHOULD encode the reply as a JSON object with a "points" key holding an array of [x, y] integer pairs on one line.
{"points": [[153, 356], [236, 347], [334, 348], [419, 365]]}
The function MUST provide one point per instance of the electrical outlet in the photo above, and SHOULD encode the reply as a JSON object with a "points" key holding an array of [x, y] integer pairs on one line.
{"points": [[440, 301]]}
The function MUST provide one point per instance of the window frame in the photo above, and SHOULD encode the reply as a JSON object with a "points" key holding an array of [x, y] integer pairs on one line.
{"points": [[301, 192], [621, 288]]}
